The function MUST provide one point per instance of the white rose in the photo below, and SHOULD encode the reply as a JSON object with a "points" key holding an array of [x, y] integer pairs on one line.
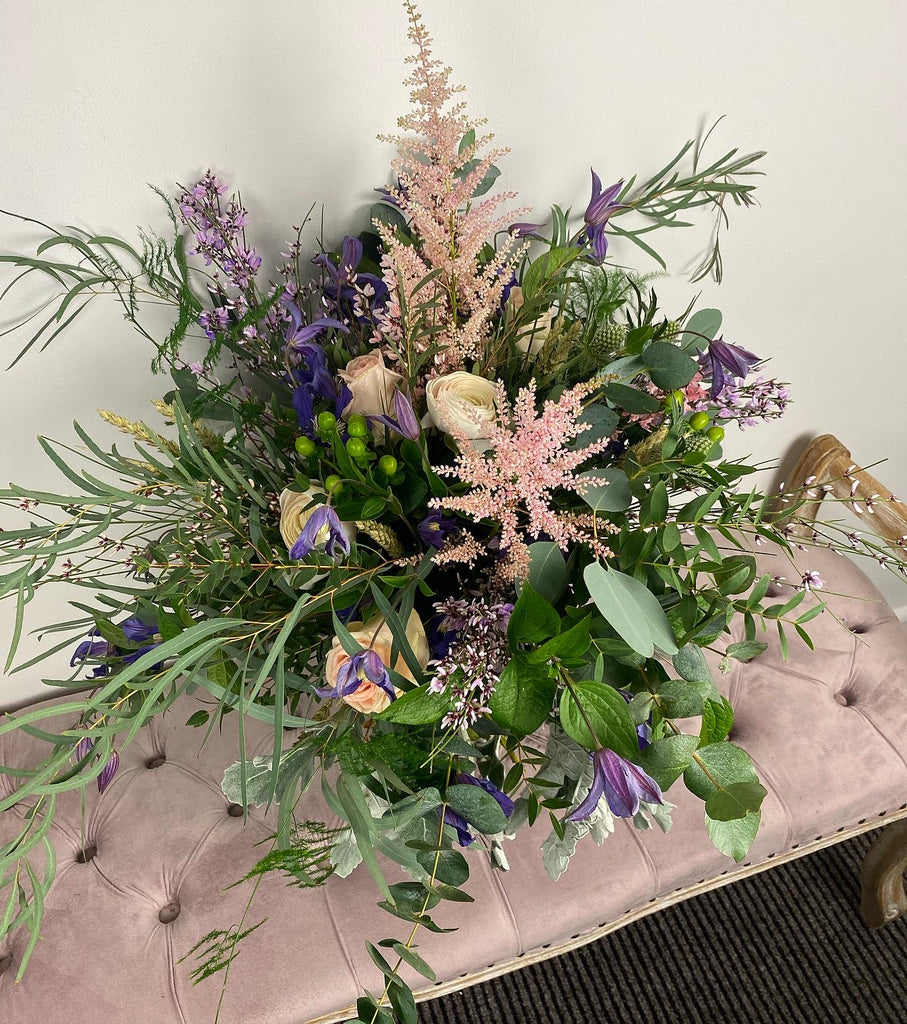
{"points": [[536, 334], [462, 401]]}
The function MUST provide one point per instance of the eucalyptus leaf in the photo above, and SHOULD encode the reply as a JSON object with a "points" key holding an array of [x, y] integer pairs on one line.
{"points": [[605, 490], [547, 569], [735, 837], [631, 609]]}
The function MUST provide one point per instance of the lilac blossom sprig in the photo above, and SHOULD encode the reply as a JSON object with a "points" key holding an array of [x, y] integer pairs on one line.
{"points": [[471, 668], [749, 403], [218, 228]]}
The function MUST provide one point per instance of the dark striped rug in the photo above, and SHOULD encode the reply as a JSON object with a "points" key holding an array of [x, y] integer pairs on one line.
{"points": [[784, 947]]}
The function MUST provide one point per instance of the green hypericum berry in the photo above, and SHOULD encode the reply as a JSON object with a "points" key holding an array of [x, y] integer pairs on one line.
{"points": [[607, 341], [326, 421], [356, 447], [699, 420], [333, 483], [715, 434], [305, 446], [356, 425], [388, 465]]}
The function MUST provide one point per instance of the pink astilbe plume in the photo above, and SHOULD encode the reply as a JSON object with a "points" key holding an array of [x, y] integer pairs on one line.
{"points": [[529, 458], [436, 185]]}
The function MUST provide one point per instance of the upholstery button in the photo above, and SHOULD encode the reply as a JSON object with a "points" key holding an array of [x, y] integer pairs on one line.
{"points": [[6, 962], [858, 629], [235, 810], [169, 913], [89, 853], [156, 762], [842, 698]]}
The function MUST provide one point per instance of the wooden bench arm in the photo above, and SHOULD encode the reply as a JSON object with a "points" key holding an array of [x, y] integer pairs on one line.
{"points": [[827, 467]]}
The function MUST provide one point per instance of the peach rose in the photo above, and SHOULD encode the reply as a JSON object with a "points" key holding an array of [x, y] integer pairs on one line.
{"points": [[368, 697], [536, 334], [464, 401], [372, 385], [295, 509]]}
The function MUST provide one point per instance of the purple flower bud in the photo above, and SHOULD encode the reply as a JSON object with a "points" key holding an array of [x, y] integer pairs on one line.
{"points": [[84, 748], [525, 229], [405, 422], [108, 772]]}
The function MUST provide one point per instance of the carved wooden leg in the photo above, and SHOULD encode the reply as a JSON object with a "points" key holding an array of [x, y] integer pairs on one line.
{"points": [[884, 897]]}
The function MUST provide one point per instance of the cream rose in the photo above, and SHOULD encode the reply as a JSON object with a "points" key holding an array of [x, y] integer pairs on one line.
{"points": [[372, 385], [462, 401], [535, 334], [295, 509], [369, 698]]}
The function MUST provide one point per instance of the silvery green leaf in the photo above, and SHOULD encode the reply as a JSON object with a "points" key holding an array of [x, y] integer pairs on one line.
{"points": [[662, 814], [658, 814], [297, 763], [345, 855], [556, 852], [258, 781], [498, 857], [518, 819], [566, 758], [601, 823]]}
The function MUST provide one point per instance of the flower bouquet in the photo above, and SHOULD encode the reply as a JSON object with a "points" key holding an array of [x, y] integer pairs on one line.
{"points": [[449, 499]]}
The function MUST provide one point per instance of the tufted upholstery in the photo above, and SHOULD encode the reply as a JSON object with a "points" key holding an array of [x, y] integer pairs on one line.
{"points": [[143, 881]]}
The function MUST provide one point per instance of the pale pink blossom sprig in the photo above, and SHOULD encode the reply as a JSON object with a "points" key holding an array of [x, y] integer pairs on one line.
{"points": [[436, 185], [528, 459]]}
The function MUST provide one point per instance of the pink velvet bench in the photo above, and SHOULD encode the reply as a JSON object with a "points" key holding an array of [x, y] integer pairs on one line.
{"points": [[144, 879]]}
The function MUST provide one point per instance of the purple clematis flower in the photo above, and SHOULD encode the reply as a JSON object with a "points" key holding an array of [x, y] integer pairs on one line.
{"points": [[599, 211], [404, 420], [323, 531], [503, 800], [346, 287], [622, 783], [364, 667], [433, 528], [457, 821], [313, 378], [135, 629], [725, 362], [91, 649]]}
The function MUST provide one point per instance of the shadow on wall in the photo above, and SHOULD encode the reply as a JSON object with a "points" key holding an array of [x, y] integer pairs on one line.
{"points": [[787, 462]]}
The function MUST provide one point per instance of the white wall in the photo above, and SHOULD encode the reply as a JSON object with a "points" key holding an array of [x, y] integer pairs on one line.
{"points": [[285, 98]]}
